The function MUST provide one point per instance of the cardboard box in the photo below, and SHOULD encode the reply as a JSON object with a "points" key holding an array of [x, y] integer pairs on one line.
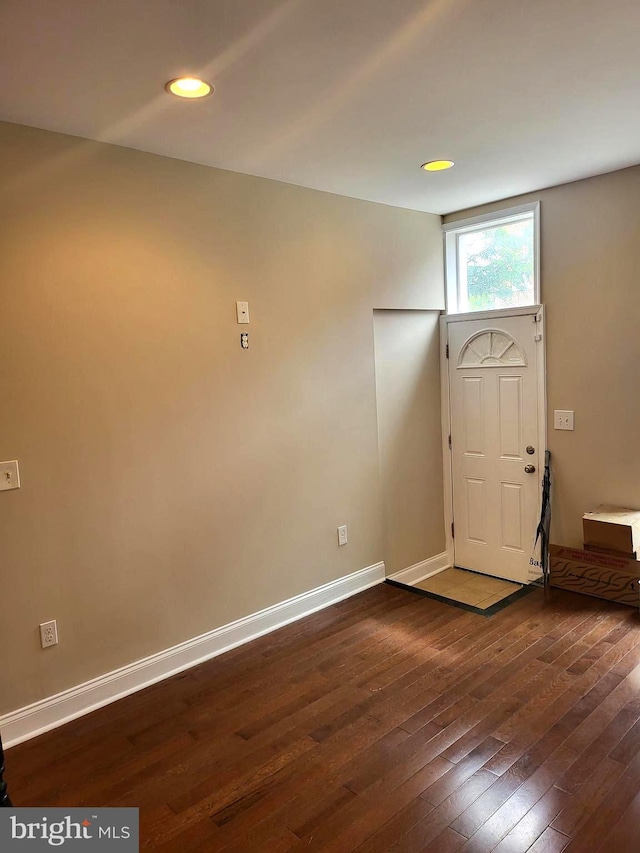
{"points": [[597, 550], [600, 575], [612, 528]]}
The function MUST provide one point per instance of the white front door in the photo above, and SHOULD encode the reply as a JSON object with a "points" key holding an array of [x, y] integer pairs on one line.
{"points": [[496, 452]]}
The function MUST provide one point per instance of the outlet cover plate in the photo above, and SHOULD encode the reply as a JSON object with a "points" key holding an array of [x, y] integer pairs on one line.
{"points": [[49, 634]]}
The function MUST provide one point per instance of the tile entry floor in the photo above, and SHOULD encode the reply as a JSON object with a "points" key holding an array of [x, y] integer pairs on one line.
{"points": [[466, 587]]}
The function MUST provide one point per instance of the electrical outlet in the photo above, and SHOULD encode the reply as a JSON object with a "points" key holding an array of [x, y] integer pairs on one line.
{"points": [[49, 634], [342, 534], [244, 340]]}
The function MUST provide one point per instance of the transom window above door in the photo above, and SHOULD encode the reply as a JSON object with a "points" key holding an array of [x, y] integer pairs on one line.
{"points": [[492, 260]]}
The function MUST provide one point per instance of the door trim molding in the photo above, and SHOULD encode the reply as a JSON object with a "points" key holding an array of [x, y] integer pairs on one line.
{"points": [[445, 409], [488, 315], [445, 319]]}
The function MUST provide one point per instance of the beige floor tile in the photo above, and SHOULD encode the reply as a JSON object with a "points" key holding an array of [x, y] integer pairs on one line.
{"points": [[509, 585], [440, 587], [442, 577], [438, 582], [486, 585], [467, 596], [494, 599], [448, 575], [476, 577], [471, 588]]}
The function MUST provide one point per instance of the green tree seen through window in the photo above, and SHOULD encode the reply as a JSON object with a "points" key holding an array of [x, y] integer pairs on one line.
{"points": [[499, 266]]}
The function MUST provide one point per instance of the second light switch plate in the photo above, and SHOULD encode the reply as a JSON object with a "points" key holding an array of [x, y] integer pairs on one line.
{"points": [[9, 475], [563, 419]]}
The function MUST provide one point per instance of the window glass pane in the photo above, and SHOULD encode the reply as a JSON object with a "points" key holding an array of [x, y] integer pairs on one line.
{"points": [[495, 266]]}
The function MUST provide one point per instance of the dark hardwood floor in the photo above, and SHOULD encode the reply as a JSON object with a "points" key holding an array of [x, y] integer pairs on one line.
{"points": [[388, 722]]}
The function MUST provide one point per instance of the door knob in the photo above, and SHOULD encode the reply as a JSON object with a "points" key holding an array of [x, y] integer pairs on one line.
{"points": [[529, 469]]}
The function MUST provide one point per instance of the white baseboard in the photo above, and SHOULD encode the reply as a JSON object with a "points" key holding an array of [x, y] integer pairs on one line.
{"points": [[423, 570], [56, 710]]}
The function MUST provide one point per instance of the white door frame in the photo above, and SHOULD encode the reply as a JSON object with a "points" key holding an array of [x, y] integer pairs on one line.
{"points": [[445, 319]]}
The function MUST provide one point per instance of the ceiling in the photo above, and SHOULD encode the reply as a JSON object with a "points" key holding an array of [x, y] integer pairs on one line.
{"points": [[346, 96]]}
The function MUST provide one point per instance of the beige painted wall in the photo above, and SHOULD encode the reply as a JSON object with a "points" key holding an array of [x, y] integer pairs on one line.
{"points": [[173, 482], [409, 435], [590, 279]]}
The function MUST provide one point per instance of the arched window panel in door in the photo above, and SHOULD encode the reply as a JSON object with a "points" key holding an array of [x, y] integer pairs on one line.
{"points": [[491, 348]]}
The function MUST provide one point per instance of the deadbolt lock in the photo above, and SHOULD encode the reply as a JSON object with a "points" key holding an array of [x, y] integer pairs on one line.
{"points": [[529, 469], [530, 449]]}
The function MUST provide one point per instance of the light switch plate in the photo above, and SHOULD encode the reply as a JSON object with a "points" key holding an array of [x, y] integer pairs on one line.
{"points": [[242, 311], [562, 419], [9, 475]]}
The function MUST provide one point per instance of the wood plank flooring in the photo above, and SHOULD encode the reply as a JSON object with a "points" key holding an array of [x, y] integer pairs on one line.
{"points": [[387, 722]]}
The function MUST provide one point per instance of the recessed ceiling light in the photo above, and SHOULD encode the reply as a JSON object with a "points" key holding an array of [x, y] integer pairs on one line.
{"points": [[437, 165], [189, 87]]}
